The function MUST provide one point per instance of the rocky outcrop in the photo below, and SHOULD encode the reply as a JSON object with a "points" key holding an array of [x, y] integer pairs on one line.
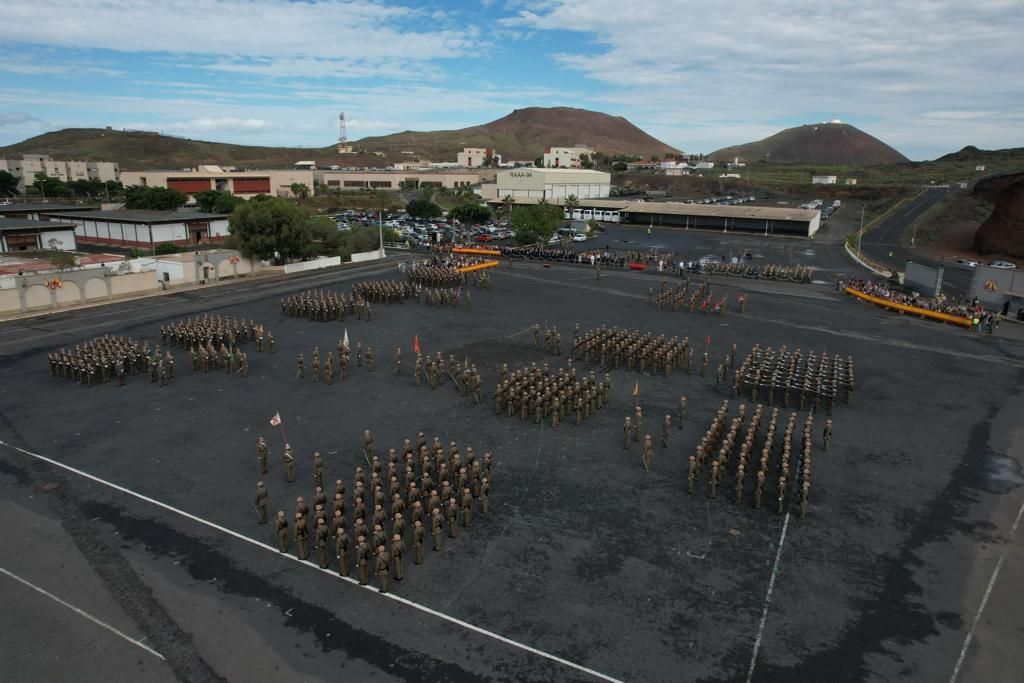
{"points": [[1003, 231]]}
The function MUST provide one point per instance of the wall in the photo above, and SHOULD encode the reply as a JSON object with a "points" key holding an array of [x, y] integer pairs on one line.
{"points": [[921, 278], [366, 256], [65, 237], [313, 265]]}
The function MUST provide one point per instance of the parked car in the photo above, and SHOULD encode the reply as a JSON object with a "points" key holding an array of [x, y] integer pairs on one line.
{"points": [[998, 263], [579, 237], [485, 237], [967, 263]]}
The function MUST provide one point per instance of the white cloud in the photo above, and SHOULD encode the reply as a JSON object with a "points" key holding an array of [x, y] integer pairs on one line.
{"points": [[280, 38], [18, 119], [766, 61]]}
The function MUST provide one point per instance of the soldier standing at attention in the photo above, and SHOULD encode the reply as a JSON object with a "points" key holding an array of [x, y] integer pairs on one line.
{"points": [[322, 535], [301, 534], [467, 507], [367, 444], [485, 494], [418, 535], [536, 335], [341, 550], [270, 340], [289, 463], [383, 569], [369, 358], [301, 374], [261, 502], [363, 560], [691, 474], [262, 453], [435, 527], [398, 359], [452, 514], [637, 421], [397, 556], [682, 411], [318, 469], [665, 428], [282, 531], [648, 452], [704, 364], [826, 435]]}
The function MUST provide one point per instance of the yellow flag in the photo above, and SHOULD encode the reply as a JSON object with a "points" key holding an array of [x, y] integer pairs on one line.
{"points": [[636, 389]]}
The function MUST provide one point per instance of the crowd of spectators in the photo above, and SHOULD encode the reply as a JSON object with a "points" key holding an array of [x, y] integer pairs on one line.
{"points": [[882, 290]]}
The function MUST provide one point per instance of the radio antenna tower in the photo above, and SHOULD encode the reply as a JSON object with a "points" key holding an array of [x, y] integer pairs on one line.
{"points": [[343, 139]]}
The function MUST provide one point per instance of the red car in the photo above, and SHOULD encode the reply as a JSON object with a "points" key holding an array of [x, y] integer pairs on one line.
{"points": [[485, 237]]}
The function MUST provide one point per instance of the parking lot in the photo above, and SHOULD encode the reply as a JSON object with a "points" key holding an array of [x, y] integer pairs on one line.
{"points": [[587, 566]]}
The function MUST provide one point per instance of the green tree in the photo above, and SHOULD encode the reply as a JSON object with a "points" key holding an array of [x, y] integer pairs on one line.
{"points": [[62, 260], [272, 229], [51, 187], [571, 204], [419, 208], [153, 198], [8, 184], [300, 190], [537, 223], [471, 213], [586, 161], [619, 166], [212, 201], [508, 201], [83, 187], [114, 187], [325, 235], [539, 161]]}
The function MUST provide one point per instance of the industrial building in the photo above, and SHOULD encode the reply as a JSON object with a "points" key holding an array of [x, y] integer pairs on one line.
{"points": [[244, 184], [26, 168], [475, 157], [22, 234], [565, 157], [131, 228], [32, 211], [395, 180], [823, 180], [547, 183]]}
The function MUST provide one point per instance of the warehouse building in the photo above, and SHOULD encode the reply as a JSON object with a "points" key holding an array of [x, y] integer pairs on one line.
{"points": [[548, 183], [768, 220], [245, 184], [395, 180], [32, 211], [146, 229], [23, 234]]}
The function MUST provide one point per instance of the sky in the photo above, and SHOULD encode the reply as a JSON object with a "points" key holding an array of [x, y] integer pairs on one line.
{"points": [[926, 76]]}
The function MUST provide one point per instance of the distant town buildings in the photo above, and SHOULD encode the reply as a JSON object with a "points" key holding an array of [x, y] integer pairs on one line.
{"points": [[244, 184], [823, 180], [26, 168], [565, 157], [475, 157]]}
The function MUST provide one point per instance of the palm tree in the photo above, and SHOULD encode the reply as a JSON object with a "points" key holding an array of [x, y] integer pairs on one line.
{"points": [[571, 204], [508, 202]]}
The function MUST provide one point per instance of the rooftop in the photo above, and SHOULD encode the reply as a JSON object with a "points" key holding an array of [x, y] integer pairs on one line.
{"points": [[745, 211], [150, 217], [26, 224], [18, 208]]}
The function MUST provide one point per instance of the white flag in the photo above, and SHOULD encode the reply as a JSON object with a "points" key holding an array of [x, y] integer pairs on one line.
{"points": [[276, 420], [345, 340]]}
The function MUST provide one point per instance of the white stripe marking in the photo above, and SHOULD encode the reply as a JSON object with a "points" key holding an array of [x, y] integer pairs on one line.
{"points": [[81, 612], [392, 596], [984, 600], [767, 600]]}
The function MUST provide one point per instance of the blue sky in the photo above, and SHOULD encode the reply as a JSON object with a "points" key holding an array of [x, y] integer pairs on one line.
{"points": [[926, 76]]}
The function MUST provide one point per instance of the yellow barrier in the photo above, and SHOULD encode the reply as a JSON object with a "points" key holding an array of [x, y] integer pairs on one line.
{"points": [[476, 266], [476, 250], [914, 310]]}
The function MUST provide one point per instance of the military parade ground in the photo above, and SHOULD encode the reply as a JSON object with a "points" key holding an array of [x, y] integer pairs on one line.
{"points": [[787, 519]]}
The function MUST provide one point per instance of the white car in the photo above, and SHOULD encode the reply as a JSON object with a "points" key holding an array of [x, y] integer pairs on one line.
{"points": [[967, 263], [1002, 264], [579, 237]]}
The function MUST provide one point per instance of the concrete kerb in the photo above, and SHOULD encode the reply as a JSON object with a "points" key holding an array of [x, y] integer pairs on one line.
{"points": [[864, 263]]}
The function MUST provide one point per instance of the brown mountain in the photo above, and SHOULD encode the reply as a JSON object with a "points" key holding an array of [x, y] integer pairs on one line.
{"points": [[1003, 231], [818, 143], [524, 134]]}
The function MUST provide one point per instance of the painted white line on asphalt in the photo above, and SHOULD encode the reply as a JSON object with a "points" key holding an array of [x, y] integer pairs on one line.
{"points": [[81, 612], [767, 600], [241, 537], [984, 600]]}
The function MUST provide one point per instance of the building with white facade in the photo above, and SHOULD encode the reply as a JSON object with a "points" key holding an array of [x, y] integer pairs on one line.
{"points": [[823, 180], [244, 184], [26, 168], [548, 183], [474, 157], [395, 180], [565, 157], [23, 234], [146, 229]]}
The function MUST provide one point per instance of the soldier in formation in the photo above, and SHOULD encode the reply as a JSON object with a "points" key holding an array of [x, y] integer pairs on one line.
{"points": [[105, 359], [803, 379], [323, 306], [534, 392], [614, 347]]}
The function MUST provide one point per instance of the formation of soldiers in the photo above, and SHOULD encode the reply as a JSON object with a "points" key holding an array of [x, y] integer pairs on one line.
{"points": [[101, 360], [216, 331], [615, 347], [536, 392], [435, 274], [323, 305], [785, 376], [436, 370], [337, 367], [724, 458], [770, 271], [397, 502], [633, 426]]}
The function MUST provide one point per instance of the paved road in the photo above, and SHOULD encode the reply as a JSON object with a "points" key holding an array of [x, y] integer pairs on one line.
{"points": [[884, 243], [585, 555]]}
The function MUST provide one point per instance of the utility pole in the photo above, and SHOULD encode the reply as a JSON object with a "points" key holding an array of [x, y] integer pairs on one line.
{"points": [[860, 233], [380, 230]]}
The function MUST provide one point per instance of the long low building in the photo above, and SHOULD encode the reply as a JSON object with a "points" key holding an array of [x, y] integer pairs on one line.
{"points": [[32, 211], [23, 234], [243, 184], [132, 228], [547, 183], [395, 180]]}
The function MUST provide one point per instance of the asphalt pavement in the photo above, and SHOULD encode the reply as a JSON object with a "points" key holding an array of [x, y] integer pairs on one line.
{"points": [[586, 566]]}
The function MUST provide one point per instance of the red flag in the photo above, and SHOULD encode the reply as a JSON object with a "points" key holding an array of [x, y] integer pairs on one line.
{"points": [[416, 344], [276, 420], [707, 339]]}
